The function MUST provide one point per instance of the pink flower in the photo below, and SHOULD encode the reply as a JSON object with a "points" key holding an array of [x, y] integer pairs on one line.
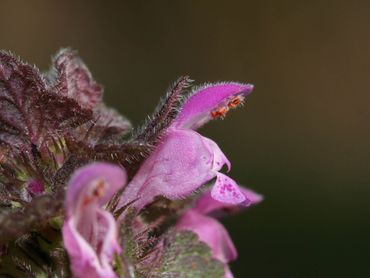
{"points": [[35, 188], [90, 232], [209, 230], [32, 189], [185, 160]]}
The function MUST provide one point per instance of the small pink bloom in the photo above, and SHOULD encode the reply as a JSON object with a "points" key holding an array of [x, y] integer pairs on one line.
{"points": [[90, 232], [185, 160], [35, 188], [209, 230]]}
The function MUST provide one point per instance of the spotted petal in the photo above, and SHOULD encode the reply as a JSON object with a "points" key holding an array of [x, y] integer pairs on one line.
{"points": [[206, 204], [226, 190]]}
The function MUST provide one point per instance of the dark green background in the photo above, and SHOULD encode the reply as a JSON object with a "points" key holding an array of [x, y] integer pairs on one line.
{"points": [[303, 139]]}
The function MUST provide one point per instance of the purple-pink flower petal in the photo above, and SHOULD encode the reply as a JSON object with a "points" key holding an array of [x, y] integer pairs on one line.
{"points": [[90, 232], [199, 219], [212, 233], [227, 191], [209, 102], [84, 178], [219, 158], [182, 163], [178, 166], [206, 204], [228, 273]]}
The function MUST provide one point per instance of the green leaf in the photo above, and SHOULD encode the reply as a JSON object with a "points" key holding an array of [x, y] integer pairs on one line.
{"points": [[186, 257]]}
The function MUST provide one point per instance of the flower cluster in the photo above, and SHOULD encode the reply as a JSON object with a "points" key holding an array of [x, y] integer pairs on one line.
{"points": [[143, 202]]}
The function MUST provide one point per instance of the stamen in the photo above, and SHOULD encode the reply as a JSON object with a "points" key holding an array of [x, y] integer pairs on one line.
{"points": [[235, 101], [99, 189], [219, 112], [96, 193]]}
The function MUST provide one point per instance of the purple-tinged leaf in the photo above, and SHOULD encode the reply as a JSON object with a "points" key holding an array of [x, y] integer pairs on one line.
{"points": [[61, 112], [28, 111], [184, 255], [36, 214], [20, 89], [110, 124], [165, 112], [71, 78], [128, 154]]}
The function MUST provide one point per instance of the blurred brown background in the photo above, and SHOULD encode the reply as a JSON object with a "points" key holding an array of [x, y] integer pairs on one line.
{"points": [[303, 139]]}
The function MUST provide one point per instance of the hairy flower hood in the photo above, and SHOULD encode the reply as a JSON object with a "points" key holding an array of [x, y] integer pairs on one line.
{"points": [[184, 160], [90, 232]]}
